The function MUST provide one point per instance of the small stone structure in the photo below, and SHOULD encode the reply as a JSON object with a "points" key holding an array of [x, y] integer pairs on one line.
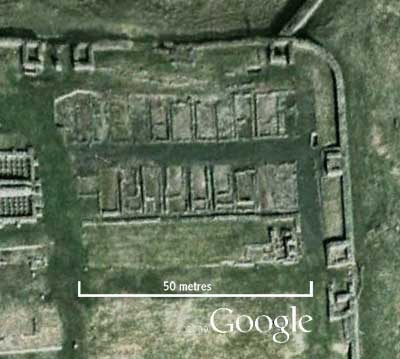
{"points": [[333, 162], [283, 244], [341, 301], [280, 53], [83, 57], [33, 57], [338, 254]]}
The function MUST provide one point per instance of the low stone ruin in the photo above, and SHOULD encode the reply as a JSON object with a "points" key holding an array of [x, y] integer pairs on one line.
{"points": [[148, 191], [338, 253], [283, 245], [29, 322], [87, 117], [341, 300], [20, 188]]}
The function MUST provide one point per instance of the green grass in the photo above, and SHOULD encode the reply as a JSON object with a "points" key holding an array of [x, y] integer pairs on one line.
{"points": [[29, 112]]}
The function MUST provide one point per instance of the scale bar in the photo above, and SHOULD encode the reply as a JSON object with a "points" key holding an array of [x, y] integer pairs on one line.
{"points": [[310, 294]]}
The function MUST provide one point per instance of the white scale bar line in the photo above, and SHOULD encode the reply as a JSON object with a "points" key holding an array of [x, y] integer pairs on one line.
{"points": [[310, 294]]}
